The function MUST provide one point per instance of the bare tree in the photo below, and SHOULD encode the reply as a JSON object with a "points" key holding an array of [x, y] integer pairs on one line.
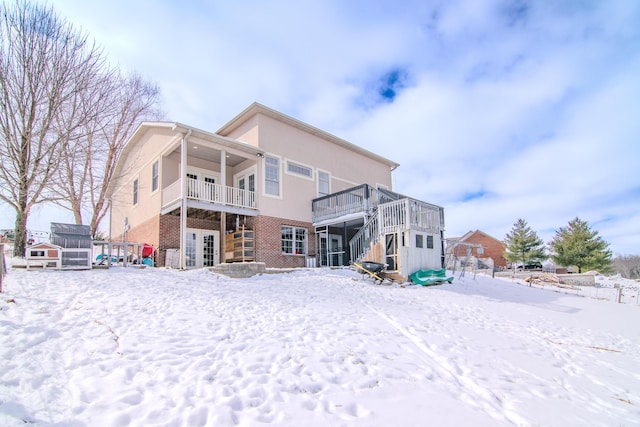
{"points": [[628, 266], [46, 67], [90, 162]]}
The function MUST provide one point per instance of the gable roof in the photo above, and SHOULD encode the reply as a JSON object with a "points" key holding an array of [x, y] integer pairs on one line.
{"points": [[257, 108], [471, 233], [44, 245]]}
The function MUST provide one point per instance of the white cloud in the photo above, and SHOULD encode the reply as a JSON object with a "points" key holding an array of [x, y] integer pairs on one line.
{"points": [[529, 106]]}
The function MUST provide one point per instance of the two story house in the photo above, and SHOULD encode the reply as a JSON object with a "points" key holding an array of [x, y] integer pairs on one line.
{"points": [[308, 197]]}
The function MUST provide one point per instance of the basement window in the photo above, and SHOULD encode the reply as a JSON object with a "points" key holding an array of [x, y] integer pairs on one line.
{"points": [[294, 240]]}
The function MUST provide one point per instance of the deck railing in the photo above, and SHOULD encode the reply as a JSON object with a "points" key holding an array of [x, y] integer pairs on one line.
{"points": [[394, 216], [210, 192], [361, 243], [362, 198], [353, 200]]}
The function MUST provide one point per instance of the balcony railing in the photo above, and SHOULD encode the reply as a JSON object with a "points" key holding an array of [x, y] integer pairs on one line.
{"points": [[358, 199], [210, 192]]}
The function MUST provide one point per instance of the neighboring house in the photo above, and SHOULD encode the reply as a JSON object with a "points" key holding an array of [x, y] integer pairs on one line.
{"points": [[479, 245], [309, 198]]}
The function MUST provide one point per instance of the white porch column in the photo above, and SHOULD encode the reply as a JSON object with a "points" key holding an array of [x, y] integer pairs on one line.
{"points": [[223, 215], [183, 199], [223, 175]]}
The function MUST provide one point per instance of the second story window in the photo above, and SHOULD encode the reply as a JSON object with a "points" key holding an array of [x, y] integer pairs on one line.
{"points": [[324, 183], [298, 169], [135, 191], [154, 176], [272, 175]]}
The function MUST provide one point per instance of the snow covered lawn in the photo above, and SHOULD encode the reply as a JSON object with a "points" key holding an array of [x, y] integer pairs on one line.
{"points": [[317, 347]]}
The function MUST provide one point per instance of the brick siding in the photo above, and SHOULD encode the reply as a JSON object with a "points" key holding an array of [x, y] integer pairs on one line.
{"points": [[492, 248], [268, 232], [170, 233], [147, 232], [163, 232]]}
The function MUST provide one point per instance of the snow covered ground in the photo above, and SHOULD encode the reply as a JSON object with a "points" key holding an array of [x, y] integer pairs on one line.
{"points": [[157, 347]]}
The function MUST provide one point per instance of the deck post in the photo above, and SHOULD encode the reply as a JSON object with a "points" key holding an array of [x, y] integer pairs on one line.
{"points": [[183, 199], [223, 175]]}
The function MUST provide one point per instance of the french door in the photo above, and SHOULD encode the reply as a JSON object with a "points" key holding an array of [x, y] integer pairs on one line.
{"points": [[202, 248], [246, 181]]}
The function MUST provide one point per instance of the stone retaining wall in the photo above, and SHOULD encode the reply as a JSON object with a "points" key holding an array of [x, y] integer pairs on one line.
{"points": [[239, 270]]}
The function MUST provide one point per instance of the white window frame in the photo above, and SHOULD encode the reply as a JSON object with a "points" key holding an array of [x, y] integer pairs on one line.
{"points": [[264, 176], [155, 176], [429, 242], [245, 174], [294, 240], [300, 165], [318, 172], [136, 191]]}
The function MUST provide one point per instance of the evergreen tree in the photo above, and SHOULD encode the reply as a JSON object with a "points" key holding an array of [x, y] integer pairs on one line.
{"points": [[522, 244], [578, 245]]}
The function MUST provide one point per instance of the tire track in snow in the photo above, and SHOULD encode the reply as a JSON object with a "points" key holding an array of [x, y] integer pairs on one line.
{"points": [[492, 404]]}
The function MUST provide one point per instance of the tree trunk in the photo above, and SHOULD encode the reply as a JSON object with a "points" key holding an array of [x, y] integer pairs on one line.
{"points": [[77, 211], [20, 243]]}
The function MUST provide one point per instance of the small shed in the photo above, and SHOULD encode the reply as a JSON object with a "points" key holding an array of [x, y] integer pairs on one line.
{"points": [[44, 255], [76, 243]]}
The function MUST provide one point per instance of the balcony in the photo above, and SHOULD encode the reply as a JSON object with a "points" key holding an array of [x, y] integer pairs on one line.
{"points": [[210, 196], [362, 199]]}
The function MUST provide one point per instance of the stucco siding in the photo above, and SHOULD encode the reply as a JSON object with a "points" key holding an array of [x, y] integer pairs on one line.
{"points": [[289, 144], [247, 132], [138, 166]]}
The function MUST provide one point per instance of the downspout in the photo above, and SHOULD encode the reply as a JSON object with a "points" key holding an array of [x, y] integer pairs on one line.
{"points": [[183, 198]]}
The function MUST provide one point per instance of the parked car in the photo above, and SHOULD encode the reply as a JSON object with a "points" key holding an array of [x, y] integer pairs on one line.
{"points": [[534, 265]]}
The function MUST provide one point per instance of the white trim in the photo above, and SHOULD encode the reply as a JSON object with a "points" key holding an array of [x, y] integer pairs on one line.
{"points": [[153, 162], [199, 246], [318, 171], [135, 190], [352, 183], [300, 164], [264, 176], [245, 174], [294, 241]]}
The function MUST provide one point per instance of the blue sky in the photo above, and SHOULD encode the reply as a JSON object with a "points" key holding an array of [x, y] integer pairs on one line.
{"points": [[495, 110]]}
